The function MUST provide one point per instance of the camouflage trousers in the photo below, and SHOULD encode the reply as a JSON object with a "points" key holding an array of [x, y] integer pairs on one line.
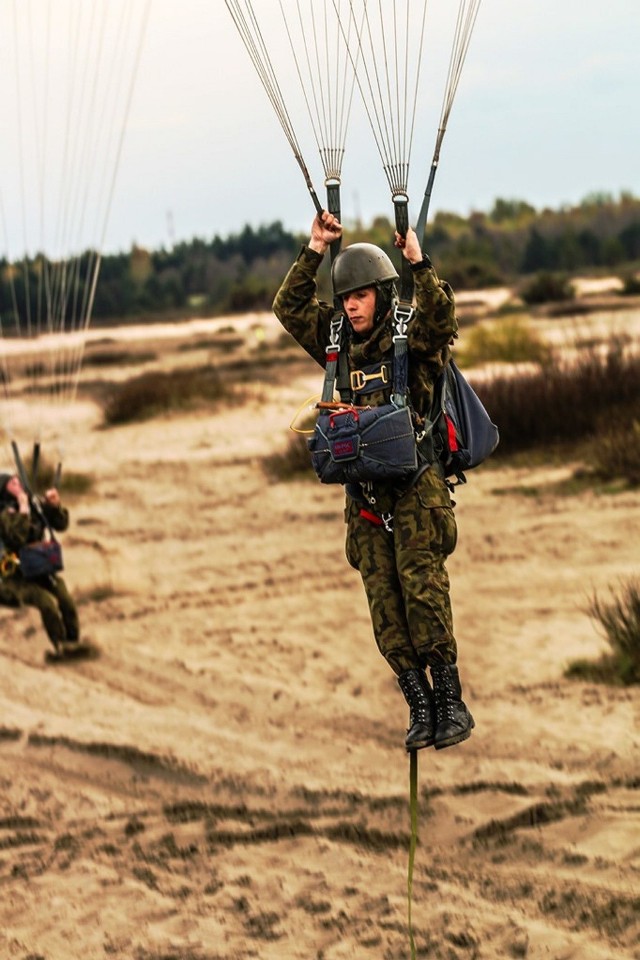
{"points": [[51, 597], [404, 573]]}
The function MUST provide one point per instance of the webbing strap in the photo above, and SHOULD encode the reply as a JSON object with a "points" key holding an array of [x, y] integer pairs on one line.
{"points": [[413, 840], [336, 371], [333, 358]]}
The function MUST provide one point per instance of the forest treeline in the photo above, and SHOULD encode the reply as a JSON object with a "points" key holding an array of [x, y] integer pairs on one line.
{"points": [[242, 271]]}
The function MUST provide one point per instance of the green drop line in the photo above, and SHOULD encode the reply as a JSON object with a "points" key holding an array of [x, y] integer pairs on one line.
{"points": [[413, 842]]}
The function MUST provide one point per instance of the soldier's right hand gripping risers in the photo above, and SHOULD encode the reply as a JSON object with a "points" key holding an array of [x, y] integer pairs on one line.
{"points": [[324, 230]]}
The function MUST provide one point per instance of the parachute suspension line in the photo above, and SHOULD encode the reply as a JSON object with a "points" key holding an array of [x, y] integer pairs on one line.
{"points": [[249, 30], [466, 19], [121, 93], [384, 71], [76, 284], [390, 43], [71, 115], [327, 81], [326, 74]]}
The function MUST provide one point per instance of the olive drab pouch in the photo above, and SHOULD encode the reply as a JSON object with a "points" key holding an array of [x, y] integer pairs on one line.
{"points": [[40, 559]]}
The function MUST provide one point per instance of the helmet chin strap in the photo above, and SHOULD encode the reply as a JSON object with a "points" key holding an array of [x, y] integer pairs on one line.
{"points": [[386, 299]]}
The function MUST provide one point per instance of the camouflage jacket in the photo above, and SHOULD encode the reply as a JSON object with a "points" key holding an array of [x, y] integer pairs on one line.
{"points": [[430, 331], [18, 529]]}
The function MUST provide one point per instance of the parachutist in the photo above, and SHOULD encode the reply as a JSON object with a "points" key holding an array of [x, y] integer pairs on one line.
{"points": [[399, 531], [25, 525]]}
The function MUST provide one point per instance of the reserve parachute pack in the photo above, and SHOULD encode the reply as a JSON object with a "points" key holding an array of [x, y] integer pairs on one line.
{"points": [[357, 443]]}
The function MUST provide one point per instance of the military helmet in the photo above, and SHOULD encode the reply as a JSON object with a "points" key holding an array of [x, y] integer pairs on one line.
{"points": [[361, 265]]}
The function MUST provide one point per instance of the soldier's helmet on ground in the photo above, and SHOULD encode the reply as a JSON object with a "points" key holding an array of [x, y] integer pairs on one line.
{"points": [[361, 265]]}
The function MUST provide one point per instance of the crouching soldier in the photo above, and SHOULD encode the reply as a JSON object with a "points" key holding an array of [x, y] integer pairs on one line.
{"points": [[399, 534], [23, 523]]}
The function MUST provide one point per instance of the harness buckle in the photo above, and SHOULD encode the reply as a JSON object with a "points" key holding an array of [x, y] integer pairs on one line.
{"points": [[402, 314], [359, 378], [335, 329]]}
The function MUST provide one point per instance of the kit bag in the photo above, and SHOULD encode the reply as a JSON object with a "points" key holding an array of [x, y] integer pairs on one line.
{"points": [[462, 431], [356, 444], [40, 559]]}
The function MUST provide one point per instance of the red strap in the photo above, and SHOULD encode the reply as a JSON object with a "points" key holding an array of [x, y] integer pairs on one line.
{"points": [[332, 356], [371, 517], [451, 434]]}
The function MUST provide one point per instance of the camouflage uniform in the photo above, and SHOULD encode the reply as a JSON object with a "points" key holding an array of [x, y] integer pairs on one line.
{"points": [[403, 572], [49, 594]]}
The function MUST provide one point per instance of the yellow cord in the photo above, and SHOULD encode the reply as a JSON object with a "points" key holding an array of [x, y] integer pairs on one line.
{"points": [[309, 408]]}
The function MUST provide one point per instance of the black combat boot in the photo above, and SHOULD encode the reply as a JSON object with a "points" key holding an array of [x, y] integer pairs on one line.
{"points": [[419, 695], [454, 722]]}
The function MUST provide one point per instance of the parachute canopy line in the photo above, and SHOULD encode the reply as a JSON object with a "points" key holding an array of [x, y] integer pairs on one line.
{"points": [[467, 14], [387, 62], [323, 67], [380, 46], [68, 73], [249, 29], [327, 80], [387, 59]]}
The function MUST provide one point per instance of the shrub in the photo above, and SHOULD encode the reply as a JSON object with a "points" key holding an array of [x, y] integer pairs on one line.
{"points": [[155, 392], [290, 464], [226, 344], [564, 402], [70, 483], [620, 622], [630, 284], [545, 287], [511, 340], [616, 453], [109, 358]]}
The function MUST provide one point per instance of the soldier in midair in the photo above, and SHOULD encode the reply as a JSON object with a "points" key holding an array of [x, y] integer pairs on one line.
{"points": [[400, 558]]}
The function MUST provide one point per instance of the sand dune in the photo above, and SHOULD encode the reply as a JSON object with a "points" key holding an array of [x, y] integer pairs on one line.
{"points": [[227, 779]]}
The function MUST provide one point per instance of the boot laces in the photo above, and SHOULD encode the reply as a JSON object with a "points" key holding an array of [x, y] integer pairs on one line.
{"points": [[418, 703], [444, 693]]}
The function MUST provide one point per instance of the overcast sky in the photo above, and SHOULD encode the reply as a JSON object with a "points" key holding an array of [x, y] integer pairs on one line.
{"points": [[546, 111]]}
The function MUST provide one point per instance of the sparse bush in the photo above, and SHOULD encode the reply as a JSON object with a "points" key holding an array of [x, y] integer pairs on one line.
{"points": [[620, 622], [293, 463], [119, 358], [511, 340], [546, 287], [96, 594], [564, 402], [630, 284], [225, 344], [71, 483], [617, 453], [155, 392]]}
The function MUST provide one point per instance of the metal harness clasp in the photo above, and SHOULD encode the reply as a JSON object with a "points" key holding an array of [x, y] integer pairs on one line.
{"points": [[402, 314], [359, 378]]}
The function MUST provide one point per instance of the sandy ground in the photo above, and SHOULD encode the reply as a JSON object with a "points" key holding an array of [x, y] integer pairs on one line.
{"points": [[227, 779]]}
